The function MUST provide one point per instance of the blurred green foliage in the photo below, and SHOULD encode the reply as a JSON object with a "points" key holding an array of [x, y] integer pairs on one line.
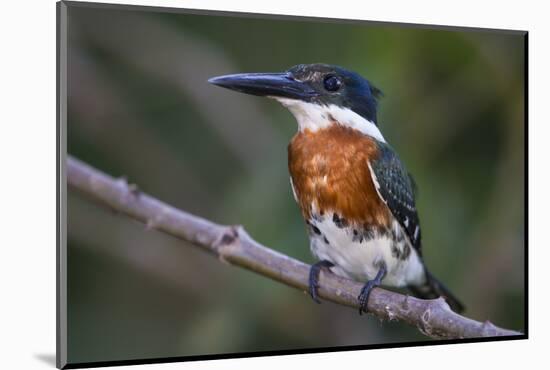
{"points": [[139, 105]]}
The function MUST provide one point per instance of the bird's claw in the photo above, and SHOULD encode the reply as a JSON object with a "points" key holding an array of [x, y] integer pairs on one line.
{"points": [[367, 288], [363, 297], [313, 288], [314, 278]]}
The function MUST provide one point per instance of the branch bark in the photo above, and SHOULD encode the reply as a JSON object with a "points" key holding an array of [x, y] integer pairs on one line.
{"points": [[233, 245]]}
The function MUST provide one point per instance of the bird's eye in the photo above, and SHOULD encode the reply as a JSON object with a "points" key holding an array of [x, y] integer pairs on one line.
{"points": [[332, 83]]}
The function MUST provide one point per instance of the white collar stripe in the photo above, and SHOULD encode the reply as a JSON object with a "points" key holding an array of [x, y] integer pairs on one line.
{"points": [[313, 117]]}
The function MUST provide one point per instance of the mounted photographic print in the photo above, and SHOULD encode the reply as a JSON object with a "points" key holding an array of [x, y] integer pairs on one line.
{"points": [[237, 185]]}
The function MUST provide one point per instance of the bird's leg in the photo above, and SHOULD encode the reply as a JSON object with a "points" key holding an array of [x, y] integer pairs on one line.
{"points": [[365, 292], [314, 278]]}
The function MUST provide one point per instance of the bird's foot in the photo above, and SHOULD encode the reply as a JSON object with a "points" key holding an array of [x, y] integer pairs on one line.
{"points": [[314, 278], [367, 288]]}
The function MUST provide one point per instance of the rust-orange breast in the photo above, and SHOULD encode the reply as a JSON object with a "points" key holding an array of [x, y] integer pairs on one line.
{"points": [[329, 169]]}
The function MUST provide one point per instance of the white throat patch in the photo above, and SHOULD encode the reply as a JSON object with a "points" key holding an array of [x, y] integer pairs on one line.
{"points": [[313, 117]]}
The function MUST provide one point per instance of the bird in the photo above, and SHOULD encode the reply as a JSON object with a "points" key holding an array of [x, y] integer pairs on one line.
{"points": [[355, 194]]}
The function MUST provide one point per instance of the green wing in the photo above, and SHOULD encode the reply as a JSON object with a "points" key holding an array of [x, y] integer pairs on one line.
{"points": [[397, 188]]}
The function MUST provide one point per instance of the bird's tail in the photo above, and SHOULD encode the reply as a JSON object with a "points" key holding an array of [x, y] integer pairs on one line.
{"points": [[434, 288]]}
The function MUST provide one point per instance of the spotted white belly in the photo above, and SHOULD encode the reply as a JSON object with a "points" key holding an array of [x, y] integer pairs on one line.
{"points": [[360, 258]]}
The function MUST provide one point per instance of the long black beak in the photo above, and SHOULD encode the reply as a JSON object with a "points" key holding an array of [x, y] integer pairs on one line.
{"points": [[266, 84]]}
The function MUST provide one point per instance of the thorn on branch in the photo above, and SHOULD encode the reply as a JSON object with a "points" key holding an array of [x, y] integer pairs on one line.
{"points": [[487, 327], [229, 236], [134, 189], [123, 180], [228, 242], [131, 187], [442, 303]]}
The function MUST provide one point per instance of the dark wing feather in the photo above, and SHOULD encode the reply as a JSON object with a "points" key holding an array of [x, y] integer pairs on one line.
{"points": [[397, 189]]}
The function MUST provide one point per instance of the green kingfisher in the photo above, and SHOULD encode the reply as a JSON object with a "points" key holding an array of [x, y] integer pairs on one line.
{"points": [[355, 194]]}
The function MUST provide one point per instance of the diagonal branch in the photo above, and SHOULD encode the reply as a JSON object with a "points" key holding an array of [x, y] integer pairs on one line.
{"points": [[232, 244]]}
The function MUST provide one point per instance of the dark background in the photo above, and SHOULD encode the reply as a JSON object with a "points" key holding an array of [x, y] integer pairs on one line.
{"points": [[139, 106]]}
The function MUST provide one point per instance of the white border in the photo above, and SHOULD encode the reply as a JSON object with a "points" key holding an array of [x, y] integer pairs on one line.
{"points": [[28, 181]]}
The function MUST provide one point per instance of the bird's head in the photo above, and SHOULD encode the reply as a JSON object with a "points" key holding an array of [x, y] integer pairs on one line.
{"points": [[317, 94]]}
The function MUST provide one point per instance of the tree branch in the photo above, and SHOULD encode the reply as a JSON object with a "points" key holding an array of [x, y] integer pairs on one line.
{"points": [[233, 245]]}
